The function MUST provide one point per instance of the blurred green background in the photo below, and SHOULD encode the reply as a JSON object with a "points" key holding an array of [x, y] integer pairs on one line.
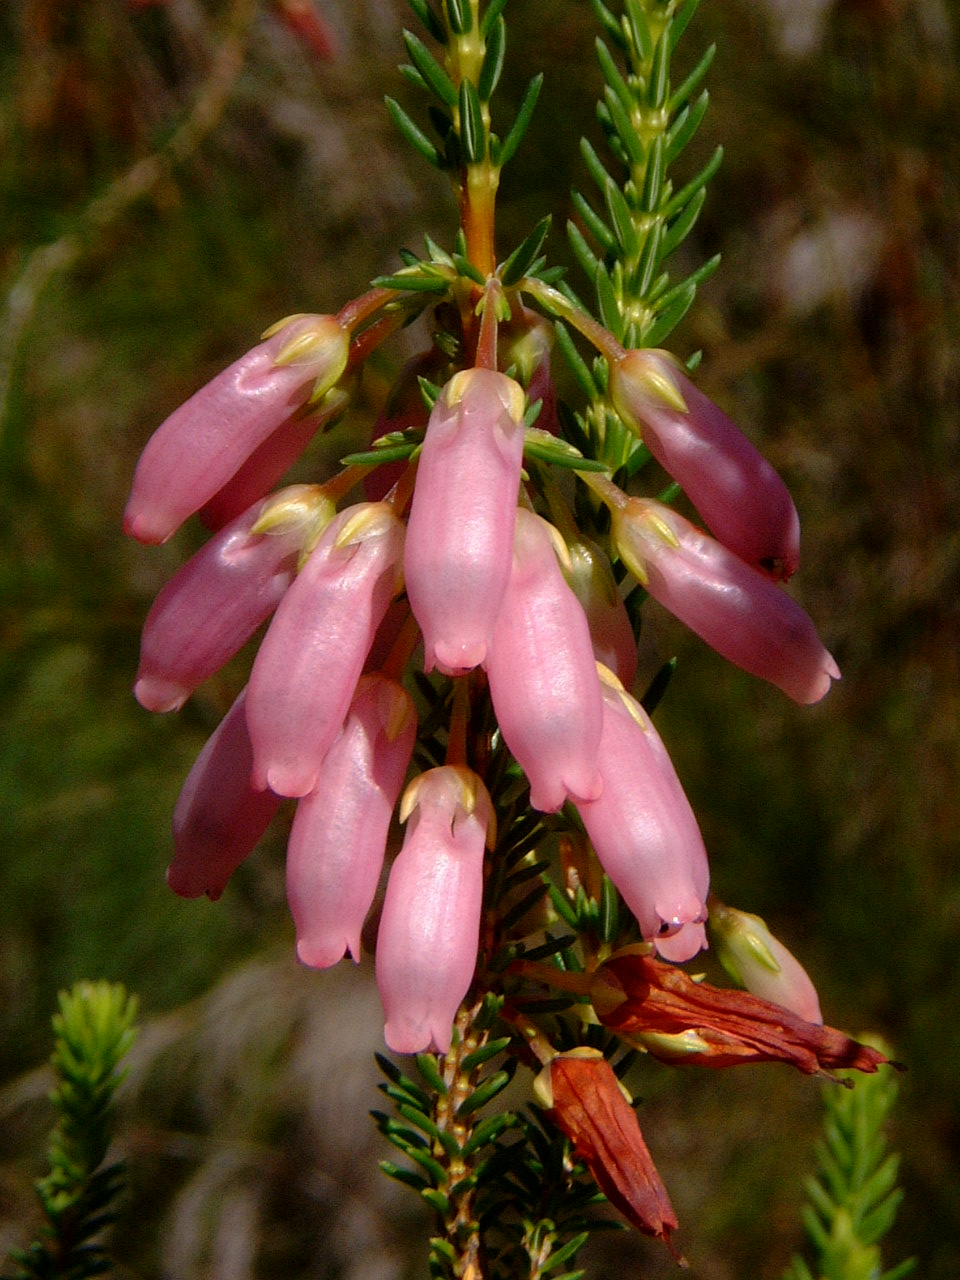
{"points": [[831, 333]]}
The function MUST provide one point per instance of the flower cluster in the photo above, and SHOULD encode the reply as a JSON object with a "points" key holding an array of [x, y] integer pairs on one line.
{"points": [[498, 591]]}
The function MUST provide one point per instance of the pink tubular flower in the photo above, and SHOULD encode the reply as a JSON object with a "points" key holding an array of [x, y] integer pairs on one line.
{"points": [[643, 828], [211, 607], [543, 677], [219, 817], [336, 846], [735, 609], [459, 543], [740, 496], [202, 445], [760, 962], [313, 653], [430, 927]]}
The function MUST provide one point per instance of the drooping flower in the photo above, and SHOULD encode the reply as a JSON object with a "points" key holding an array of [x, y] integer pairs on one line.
{"points": [[585, 1099], [643, 829], [215, 602], [203, 444], [760, 962], [740, 496], [543, 676], [311, 658], [734, 608], [459, 544], [678, 1020], [219, 817], [429, 931], [336, 847]]}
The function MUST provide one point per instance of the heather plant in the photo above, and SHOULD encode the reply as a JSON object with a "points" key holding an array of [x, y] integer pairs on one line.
{"points": [[452, 643]]}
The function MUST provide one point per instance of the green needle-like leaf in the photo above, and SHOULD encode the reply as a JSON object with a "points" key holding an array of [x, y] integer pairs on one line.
{"points": [[433, 74], [520, 261], [429, 19], [414, 134], [519, 127], [473, 136], [491, 14], [492, 61]]}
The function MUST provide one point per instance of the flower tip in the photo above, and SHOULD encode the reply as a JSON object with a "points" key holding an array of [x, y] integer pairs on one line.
{"points": [[325, 953], [821, 682], [405, 1037], [137, 525], [185, 885], [159, 695], [284, 780], [457, 659]]}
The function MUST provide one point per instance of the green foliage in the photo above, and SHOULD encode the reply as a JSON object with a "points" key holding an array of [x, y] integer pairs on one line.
{"points": [[94, 1030], [853, 1200]]}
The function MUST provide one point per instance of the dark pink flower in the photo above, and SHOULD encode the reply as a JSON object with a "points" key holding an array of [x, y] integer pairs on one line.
{"points": [[735, 608], [214, 603], [203, 444], [740, 496], [219, 817]]}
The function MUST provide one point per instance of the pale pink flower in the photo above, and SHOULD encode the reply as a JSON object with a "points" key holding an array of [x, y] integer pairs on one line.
{"points": [[430, 927], [336, 847], [313, 653], [219, 817], [214, 603], [738, 493], [543, 676], [642, 826], [459, 544], [737, 610], [760, 962], [204, 443]]}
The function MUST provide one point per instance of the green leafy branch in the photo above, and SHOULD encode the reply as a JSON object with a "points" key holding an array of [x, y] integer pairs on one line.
{"points": [[94, 1029], [853, 1200]]}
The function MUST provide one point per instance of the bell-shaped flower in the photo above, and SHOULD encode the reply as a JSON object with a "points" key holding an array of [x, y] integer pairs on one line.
{"points": [[204, 443], [219, 817], [590, 577], [760, 962], [685, 1022], [543, 675], [740, 496], [215, 602], [459, 544], [430, 926], [737, 610], [588, 1103], [336, 847], [642, 826], [312, 656]]}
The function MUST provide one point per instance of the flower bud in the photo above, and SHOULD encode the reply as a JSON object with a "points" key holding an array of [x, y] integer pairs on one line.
{"points": [[218, 817], [459, 544], [735, 609], [543, 677], [590, 577], [336, 847], [311, 658], [214, 603], [430, 926], [757, 960], [196, 451], [643, 828], [740, 496]]}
